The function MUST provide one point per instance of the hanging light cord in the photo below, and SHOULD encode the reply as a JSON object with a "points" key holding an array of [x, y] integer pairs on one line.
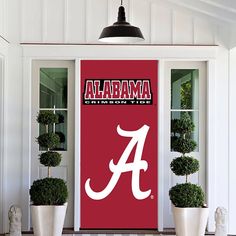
{"points": [[121, 2]]}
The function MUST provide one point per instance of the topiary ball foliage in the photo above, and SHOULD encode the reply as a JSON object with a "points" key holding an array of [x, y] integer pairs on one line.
{"points": [[48, 191], [48, 140], [184, 145], [187, 195], [184, 165], [50, 158], [184, 125], [47, 117]]}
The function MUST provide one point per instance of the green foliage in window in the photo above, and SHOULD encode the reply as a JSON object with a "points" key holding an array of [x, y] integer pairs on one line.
{"points": [[187, 195], [50, 158], [49, 191], [47, 118], [184, 165], [186, 95], [61, 136], [173, 126], [48, 140], [61, 119]]}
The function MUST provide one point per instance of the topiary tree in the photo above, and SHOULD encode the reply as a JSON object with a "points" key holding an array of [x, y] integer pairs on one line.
{"points": [[48, 191], [186, 194]]}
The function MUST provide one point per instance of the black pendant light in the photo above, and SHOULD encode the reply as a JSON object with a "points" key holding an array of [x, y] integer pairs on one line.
{"points": [[121, 31]]}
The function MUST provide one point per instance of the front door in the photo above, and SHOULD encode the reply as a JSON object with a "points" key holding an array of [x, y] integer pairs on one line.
{"points": [[119, 144]]}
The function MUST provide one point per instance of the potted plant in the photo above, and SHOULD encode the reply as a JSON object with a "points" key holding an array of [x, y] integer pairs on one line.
{"points": [[189, 211], [48, 195]]}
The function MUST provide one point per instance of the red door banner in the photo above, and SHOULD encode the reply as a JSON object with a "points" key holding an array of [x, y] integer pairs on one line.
{"points": [[119, 144]]}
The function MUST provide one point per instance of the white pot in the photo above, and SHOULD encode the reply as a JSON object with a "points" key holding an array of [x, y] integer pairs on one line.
{"points": [[190, 221], [48, 220]]}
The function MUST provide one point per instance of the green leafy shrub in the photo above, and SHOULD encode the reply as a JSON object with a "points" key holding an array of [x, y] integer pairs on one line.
{"points": [[184, 165], [183, 145], [47, 117], [48, 191], [48, 140], [187, 195], [50, 158]]}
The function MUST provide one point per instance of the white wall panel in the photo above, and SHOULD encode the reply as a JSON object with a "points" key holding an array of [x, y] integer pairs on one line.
{"points": [[204, 32], [31, 26], [76, 21], [140, 17], [232, 132], [2, 17], [223, 35], [161, 33], [182, 28], [12, 132], [81, 21], [222, 129], [3, 75], [96, 19], [53, 20]]}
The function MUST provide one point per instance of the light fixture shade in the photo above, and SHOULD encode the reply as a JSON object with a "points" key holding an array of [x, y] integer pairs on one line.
{"points": [[121, 31]]}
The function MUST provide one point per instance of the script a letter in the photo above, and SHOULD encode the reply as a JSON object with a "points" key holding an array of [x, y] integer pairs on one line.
{"points": [[137, 137]]}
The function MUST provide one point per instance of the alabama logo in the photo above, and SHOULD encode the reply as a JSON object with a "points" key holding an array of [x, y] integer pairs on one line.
{"points": [[118, 92], [138, 138]]}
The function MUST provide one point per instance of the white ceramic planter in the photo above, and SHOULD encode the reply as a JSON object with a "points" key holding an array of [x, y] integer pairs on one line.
{"points": [[48, 220], [190, 221]]}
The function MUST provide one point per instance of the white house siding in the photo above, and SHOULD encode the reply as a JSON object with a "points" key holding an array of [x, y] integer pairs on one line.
{"points": [[232, 130], [3, 18], [81, 21], [3, 74], [221, 130]]}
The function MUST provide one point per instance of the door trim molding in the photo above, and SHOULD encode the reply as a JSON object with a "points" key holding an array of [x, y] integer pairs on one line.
{"points": [[161, 77], [26, 142], [77, 53], [210, 140], [2, 76], [77, 146]]}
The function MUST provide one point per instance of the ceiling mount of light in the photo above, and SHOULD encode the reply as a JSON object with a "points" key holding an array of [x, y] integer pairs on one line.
{"points": [[121, 31]]}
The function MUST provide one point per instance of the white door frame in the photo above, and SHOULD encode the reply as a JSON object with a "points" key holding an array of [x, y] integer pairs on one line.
{"points": [[66, 168], [3, 75], [200, 154], [161, 53]]}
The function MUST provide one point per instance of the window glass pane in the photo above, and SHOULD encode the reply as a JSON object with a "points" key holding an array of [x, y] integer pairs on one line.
{"points": [[53, 87], [60, 128], [175, 115], [184, 89]]}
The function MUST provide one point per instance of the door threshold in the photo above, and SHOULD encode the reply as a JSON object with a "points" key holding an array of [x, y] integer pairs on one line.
{"points": [[71, 232]]}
